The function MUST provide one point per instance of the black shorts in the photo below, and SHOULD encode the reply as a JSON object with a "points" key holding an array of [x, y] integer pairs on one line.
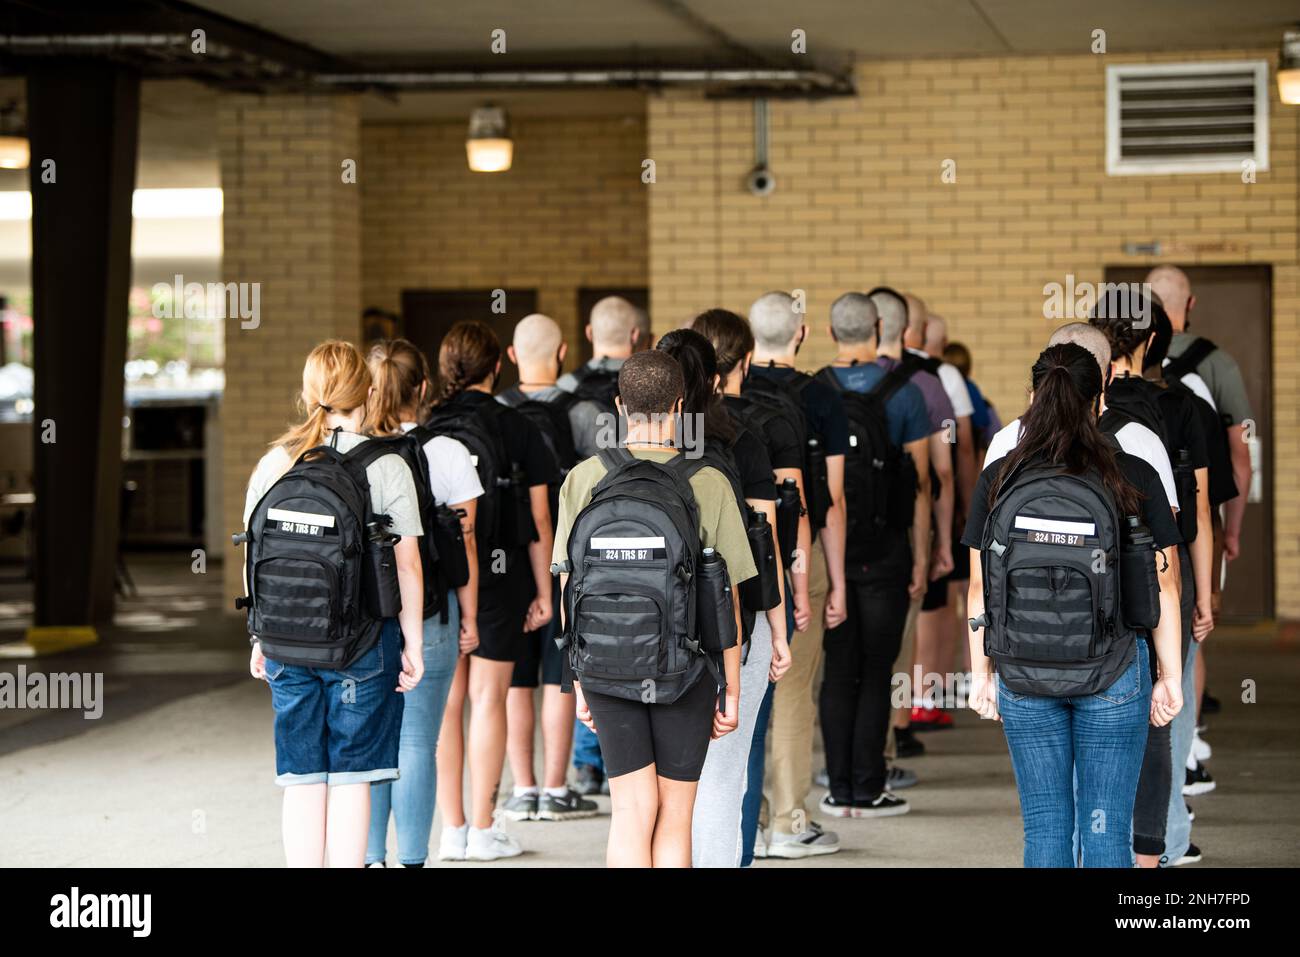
{"points": [[539, 655], [501, 611], [673, 737], [936, 594]]}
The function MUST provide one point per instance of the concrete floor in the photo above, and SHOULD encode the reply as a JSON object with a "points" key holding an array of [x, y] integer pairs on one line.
{"points": [[178, 772]]}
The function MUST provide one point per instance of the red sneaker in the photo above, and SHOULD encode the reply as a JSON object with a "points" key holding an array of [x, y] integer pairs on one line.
{"points": [[930, 719]]}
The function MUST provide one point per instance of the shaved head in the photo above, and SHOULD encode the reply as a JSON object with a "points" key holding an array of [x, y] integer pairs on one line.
{"points": [[914, 337], [892, 311], [936, 335], [853, 318], [613, 321], [774, 320], [537, 339], [1174, 290], [1090, 337]]}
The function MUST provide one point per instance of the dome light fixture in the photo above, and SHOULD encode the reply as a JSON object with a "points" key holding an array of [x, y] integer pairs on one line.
{"points": [[1288, 68], [489, 148]]}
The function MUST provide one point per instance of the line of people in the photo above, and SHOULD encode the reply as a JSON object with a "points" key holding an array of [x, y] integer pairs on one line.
{"points": [[699, 553]]}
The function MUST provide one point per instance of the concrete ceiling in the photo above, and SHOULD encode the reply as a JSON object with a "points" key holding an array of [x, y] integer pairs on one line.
{"points": [[629, 31]]}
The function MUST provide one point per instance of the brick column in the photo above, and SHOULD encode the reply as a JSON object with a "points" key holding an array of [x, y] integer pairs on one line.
{"points": [[292, 225]]}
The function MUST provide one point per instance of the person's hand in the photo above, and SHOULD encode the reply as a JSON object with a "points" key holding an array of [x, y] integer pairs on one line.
{"points": [[1216, 605], [781, 659], [836, 610], [1231, 545], [1166, 700], [920, 579], [257, 662], [1202, 619], [468, 635], [940, 561], [581, 711], [726, 723], [802, 611], [983, 697], [539, 614], [412, 665]]}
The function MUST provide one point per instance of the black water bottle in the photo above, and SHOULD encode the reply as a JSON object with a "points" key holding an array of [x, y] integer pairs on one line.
{"points": [[1185, 486], [763, 591], [1139, 585], [382, 591], [818, 484], [717, 618], [789, 509]]}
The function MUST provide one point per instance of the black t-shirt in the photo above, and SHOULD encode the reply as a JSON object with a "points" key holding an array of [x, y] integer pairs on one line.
{"points": [[778, 437], [1156, 514], [822, 406], [754, 466]]}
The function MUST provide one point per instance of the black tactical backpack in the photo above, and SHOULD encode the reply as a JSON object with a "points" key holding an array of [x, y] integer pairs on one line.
{"points": [[1053, 621], [591, 410], [305, 563], [784, 398], [631, 622], [879, 477]]}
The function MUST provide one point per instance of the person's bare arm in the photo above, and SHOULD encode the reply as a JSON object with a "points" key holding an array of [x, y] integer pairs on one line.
{"points": [[467, 594], [1167, 692], [832, 539], [1202, 552], [775, 616], [1235, 509], [983, 697], [539, 557], [941, 459], [410, 582], [967, 473], [920, 452], [724, 722], [799, 571]]}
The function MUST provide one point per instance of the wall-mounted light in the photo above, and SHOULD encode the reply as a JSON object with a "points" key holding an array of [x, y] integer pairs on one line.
{"points": [[489, 148], [1288, 68]]}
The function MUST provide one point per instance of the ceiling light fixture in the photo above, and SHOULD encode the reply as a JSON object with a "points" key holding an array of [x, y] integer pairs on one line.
{"points": [[489, 148], [1288, 68]]}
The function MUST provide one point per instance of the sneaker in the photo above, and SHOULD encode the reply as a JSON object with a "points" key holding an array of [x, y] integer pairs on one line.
{"points": [[376, 864], [813, 842], [907, 744], [883, 804], [930, 719], [1191, 815], [567, 807], [590, 780], [1209, 703], [899, 779], [760, 846], [1197, 781], [833, 808], [1193, 856], [491, 844], [451, 846], [1201, 748], [822, 778], [521, 807]]}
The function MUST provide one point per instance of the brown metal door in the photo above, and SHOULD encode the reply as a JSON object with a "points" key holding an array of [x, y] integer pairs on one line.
{"points": [[427, 314], [1234, 309]]}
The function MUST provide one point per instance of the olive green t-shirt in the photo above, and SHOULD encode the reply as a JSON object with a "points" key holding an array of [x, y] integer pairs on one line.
{"points": [[722, 527]]}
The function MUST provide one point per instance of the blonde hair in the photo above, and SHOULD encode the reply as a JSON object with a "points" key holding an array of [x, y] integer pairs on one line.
{"points": [[398, 369], [334, 379]]}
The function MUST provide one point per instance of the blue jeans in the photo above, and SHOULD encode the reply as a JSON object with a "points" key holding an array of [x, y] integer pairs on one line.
{"points": [[751, 806], [1178, 827], [586, 748], [1077, 762], [411, 797]]}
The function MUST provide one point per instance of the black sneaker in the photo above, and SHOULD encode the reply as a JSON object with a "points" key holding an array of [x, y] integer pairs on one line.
{"points": [[589, 779], [883, 804], [833, 808], [1193, 856], [570, 807], [1209, 703], [1197, 781], [907, 744]]}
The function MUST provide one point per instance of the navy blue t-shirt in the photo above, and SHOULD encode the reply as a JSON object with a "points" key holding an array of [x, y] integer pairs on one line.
{"points": [[905, 410], [821, 406]]}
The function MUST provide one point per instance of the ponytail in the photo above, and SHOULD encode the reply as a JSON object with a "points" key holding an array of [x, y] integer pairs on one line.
{"points": [[399, 370], [469, 354], [730, 335], [334, 379]]}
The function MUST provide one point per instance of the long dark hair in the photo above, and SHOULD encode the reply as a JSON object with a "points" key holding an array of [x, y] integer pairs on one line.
{"points": [[469, 353], [1059, 425], [730, 335], [699, 363]]}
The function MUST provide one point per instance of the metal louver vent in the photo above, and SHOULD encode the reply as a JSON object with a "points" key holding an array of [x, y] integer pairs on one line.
{"points": [[1186, 118]]}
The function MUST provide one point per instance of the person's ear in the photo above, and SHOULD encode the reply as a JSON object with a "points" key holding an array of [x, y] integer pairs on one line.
{"points": [[717, 381], [636, 337], [745, 364], [618, 406], [830, 331], [510, 351], [497, 370], [559, 356], [588, 333]]}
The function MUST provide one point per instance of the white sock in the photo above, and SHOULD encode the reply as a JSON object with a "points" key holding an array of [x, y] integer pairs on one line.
{"points": [[557, 792], [521, 792]]}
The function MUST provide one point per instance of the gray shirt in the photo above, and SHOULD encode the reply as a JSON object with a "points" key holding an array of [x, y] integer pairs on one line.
{"points": [[1222, 377], [568, 382]]}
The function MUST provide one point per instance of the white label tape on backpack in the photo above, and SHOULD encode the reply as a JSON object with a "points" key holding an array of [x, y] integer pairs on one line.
{"points": [[650, 548], [299, 518], [1030, 523]]}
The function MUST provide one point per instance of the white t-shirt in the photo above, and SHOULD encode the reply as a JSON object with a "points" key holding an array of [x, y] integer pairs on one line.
{"points": [[452, 476], [392, 489], [953, 384], [1194, 382], [1134, 438]]}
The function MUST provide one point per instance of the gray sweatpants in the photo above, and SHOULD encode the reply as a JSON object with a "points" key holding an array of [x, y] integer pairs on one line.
{"points": [[715, 826]]}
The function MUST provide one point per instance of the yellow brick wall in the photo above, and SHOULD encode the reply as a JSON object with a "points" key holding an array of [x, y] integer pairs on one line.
{"points": [[859, 201], [292, 225], [570, 213]]}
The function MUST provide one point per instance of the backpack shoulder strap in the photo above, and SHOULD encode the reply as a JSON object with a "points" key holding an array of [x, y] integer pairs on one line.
{"points": [[828, 376], [889, 383], [1192, 357]]}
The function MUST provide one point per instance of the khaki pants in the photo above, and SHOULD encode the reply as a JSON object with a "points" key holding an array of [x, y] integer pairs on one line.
{"points": [[793, 713]]}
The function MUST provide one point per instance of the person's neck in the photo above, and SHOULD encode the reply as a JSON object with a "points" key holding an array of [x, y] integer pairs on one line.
{"points": [[763, 358], [1132, 366], [337, 420], [408, 415], [484, 387], [1179, 323], [856, 352], [650, 438], [731, 385], [537, 378], [890, 350], [615, 355]]}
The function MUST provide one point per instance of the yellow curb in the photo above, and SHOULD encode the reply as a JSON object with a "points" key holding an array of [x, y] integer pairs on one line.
{"points": [[52, 639]]}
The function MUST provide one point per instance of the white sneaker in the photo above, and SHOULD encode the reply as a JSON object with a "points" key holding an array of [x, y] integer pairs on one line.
{"points": [[760, 845], [451, 847], [1200, 748], [490, 845], [376, 864]]}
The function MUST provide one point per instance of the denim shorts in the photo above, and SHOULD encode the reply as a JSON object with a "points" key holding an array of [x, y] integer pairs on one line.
{"points": [[339, 727]]}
